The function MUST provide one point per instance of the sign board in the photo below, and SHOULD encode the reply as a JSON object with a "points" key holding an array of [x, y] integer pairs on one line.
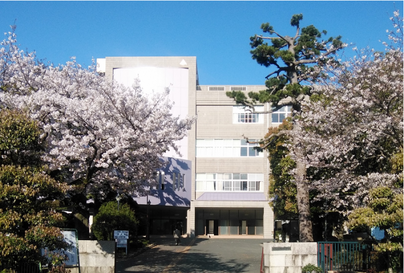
{"points": [[280, 248], [72, 252], [121, 238], [121, 234], [121, 242]]}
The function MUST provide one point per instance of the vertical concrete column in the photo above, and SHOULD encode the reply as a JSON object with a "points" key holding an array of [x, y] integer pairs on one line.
{"points": [[268, 222], [90, 224], [191, 221]]}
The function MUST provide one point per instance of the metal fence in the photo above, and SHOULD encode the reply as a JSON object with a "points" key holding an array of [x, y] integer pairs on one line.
{"points": [[343, 256], [26, 268]]}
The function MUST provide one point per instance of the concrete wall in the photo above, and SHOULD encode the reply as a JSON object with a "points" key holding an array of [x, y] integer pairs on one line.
{"points": [[288, 257], [97, 256]]}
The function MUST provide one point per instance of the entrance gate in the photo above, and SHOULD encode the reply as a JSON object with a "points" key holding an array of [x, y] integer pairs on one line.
{"points": [[343, 256]]}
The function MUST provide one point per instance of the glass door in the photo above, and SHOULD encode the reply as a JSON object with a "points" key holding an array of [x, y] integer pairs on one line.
{"points": [[243, 227], [211, 227]]}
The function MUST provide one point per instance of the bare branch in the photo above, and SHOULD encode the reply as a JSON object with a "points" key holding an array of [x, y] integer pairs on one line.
{"points": [[285, 38], [252, 109], [312, 61], [280, 69], [297, 33]]}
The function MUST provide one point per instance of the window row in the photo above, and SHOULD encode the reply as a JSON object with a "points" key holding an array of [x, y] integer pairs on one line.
{"points": [[229, 182], [241, 115], [222, 88], [178, 180], [227, 148]]}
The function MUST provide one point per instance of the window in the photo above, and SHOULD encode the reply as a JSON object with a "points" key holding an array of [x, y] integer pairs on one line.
{"points": [[244, 185], [253, 186], [216, 88], [178, 182], [227, 186], [227, 148], [247, 118], [160, 179], [249, 148], [238, 88], [182, 181], [236, 186], [281, 114], [241, 115], [229, 182]]}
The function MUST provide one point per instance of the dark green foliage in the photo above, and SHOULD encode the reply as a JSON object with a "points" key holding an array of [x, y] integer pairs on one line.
{"points": [[294, 22], [266, 27], [282, 191], [291, 57], [28, 196], [109, 218], [239, 97], [384, 210], [311, 268], [19, 144]]}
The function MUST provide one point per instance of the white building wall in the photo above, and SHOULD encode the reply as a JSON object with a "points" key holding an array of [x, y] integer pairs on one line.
{"points": [[157, 80], [156, 73]]}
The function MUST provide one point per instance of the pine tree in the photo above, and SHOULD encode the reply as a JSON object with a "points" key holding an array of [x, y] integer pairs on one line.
{"points": [[297, 59]]}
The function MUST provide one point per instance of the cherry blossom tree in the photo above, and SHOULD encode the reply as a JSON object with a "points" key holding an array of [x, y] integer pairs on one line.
{"points": [[100, 136], [352, 133]]}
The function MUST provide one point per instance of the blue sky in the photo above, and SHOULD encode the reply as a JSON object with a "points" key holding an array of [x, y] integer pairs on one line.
{"points": [[216, 32]]}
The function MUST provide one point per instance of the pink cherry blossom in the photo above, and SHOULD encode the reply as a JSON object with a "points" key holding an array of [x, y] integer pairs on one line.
{"points": [[97, 132], [350, 135]]}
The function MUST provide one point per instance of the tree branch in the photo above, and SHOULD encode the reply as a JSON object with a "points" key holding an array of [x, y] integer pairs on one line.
{"points": [[280, 69], [268, 138], [288, 41]]}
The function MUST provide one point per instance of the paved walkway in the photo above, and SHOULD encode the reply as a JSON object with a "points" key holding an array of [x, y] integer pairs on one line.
{"points": [[196, 255]]}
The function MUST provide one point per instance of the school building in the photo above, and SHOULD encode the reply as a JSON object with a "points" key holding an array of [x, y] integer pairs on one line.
{"points": [[219, 186]]}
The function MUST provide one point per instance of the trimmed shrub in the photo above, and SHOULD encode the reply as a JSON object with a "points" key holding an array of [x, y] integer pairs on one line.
{"points": [[311, 268], [109, 218]]}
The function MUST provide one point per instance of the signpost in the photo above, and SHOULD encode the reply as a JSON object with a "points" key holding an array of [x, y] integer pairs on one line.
{"points": [[121, 238]]}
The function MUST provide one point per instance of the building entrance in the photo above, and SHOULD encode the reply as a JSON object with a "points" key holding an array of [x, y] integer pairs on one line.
{"points": [[161, 220], [212, 227], [229, 221]]}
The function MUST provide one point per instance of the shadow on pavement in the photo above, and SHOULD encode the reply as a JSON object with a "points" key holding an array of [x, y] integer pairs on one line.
{"points": [[166, 257], [204, 262], [171, 241]]}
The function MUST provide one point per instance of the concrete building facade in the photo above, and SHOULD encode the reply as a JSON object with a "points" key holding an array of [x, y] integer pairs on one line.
{"points": [[224, 177]]}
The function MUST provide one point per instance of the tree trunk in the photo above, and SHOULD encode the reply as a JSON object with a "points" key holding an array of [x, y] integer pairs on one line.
{"points": [[303, 200]]}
